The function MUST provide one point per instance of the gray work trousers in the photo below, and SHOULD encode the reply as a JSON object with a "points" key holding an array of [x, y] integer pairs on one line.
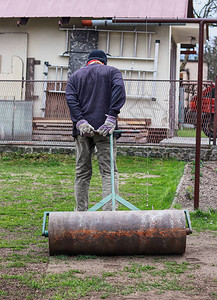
{"points": [[84, 149]]}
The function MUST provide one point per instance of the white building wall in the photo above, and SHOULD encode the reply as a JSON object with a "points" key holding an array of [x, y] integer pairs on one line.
{"points": [[46, 42], [192, 67], [140, 95]]}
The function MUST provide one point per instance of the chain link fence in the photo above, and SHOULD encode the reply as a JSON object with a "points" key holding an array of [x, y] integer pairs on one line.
{"points": [[188, 108], [163, 111]]}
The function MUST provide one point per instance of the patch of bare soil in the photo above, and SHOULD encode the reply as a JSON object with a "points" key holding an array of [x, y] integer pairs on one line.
{"points": [[14, 288], [201, 273], [208, 187]]}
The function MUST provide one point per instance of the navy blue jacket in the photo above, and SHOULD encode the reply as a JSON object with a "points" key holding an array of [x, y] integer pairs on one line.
{"points": [[94, 91]]}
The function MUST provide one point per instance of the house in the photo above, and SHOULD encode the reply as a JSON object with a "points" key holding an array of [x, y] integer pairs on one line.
{"points": [[47, 40], [191, 71]]}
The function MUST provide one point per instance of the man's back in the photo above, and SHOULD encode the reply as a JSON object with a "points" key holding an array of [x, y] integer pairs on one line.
{"points": [[98, 90]]}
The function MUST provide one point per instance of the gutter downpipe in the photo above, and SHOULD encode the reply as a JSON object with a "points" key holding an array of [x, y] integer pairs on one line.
{"points": [[201, 23]]}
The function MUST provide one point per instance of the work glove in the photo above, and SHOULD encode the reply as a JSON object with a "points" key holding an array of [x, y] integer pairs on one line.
{"points": [[85, 128], [108, 127]]}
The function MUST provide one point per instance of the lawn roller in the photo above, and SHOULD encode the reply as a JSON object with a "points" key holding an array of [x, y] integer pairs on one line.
{"points": [[129, 232]]}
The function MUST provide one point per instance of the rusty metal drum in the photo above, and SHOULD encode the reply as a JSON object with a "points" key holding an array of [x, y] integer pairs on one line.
{"points": [[117, 232]]}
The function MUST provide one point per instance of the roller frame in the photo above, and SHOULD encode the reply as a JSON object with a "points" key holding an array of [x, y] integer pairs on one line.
{"points": [[161, 234]]}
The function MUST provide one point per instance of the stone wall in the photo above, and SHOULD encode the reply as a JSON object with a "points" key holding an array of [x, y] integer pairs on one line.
{"points": [[181, 153]]}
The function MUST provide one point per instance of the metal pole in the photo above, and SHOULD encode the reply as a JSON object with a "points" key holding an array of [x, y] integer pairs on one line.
{"points": [[215, 115], [157, 45], [135, 43], [169, 21], [13, 114], [112, 171], [107, 42], [210, 111], [46, 65], [199, 112], [122, 43]]}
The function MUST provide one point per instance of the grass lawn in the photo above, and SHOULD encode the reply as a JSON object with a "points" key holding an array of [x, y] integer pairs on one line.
{"points": [[34, 183], [189, 132]]}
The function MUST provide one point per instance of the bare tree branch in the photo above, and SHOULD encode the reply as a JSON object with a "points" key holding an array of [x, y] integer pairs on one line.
{"points": [[209, 9]]}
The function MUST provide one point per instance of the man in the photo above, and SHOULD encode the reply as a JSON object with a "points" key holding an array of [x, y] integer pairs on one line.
{"points": [[95, 95]]}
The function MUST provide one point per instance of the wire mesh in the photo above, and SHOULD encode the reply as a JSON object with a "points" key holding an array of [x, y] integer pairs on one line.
{"points": [[188, 109], [165, 112]]}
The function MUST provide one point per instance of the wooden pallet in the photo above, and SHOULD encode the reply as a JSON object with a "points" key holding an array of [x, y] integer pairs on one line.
{"points": [[52, 130], [61, 130], [133, 124]]}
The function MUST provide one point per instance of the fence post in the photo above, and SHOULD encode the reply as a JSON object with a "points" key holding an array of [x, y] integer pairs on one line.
{"points": [[181, 107], [199, 112], [13, 114], [215, 114]]}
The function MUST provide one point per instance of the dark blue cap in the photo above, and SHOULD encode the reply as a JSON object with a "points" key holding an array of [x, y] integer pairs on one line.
{"points": [[99, 55]]}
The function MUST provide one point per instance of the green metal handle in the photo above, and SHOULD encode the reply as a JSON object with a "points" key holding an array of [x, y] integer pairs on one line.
{"points": [[189, 230], [113, 196], [45, 232], [127, 131], [112, 171]]}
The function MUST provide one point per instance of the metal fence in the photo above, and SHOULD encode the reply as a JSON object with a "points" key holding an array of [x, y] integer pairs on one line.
{"points": [[163, 111]]}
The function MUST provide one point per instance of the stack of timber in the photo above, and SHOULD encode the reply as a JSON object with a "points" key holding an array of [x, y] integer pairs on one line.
{"points": [[60, 130], [52, 130], [134, 124]]}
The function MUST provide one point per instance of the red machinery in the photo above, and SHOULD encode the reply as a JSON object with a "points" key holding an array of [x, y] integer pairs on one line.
{"points": [[208, 102]]}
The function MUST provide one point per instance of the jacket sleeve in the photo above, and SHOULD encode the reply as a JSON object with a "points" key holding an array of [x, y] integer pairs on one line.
{"points": [[72, 101], [118, 95]]}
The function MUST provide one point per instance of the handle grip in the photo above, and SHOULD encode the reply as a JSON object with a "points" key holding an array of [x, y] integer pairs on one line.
{"points": [[127, 131]]}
